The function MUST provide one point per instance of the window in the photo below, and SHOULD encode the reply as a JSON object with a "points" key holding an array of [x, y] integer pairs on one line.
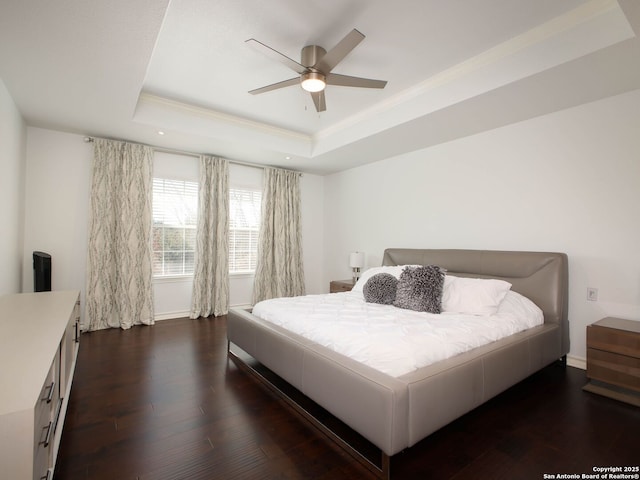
{"points": [[175, 213], [244, 225]]}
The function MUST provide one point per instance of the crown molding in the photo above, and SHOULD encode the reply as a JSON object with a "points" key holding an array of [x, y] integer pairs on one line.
{"points": [[216, 116]]}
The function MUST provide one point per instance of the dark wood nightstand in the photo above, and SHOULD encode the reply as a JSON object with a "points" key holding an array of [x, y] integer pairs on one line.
{"points": [[341, 286], [613, 359]]}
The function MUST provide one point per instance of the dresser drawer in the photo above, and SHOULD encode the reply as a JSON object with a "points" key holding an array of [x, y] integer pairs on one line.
{"points": [[41, 462], [613, 368], [43, 417]]}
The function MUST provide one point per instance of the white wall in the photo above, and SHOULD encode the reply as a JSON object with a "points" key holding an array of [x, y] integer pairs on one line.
{"points": [[57, 206], [568, 182], [312, 212], [58, 180], [13, 134]]}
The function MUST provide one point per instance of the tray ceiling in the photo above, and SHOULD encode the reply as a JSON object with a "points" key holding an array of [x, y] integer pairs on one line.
{"points": [[128, 69]]}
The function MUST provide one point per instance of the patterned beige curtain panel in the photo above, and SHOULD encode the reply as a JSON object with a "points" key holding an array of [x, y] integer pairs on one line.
{"points": [[119, 270], [279, 270], [211, 276]]}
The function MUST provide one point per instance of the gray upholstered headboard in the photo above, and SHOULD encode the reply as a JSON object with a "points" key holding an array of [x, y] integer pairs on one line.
{"points": [[540, 276]]}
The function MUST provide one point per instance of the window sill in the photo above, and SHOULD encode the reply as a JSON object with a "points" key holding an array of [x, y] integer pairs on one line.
{"points": [[173, 279], [189, 278]]}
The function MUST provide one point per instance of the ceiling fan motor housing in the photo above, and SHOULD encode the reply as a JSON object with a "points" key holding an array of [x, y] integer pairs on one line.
{"points": [[311, 54]]}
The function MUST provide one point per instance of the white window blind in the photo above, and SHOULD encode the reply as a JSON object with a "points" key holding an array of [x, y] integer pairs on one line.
{"points": [[175, 213], [244, 225]]}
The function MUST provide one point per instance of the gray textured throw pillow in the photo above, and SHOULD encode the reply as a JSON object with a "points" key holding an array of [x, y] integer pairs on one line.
{"points": [[380, 288], [420, 289]]}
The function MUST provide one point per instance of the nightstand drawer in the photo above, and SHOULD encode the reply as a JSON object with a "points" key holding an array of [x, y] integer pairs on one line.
{"points": [[620, 370], [341, 286], [613, 340]]}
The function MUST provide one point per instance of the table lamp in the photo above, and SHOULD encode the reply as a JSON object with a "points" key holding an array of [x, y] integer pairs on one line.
{"points": [[356, 262]]}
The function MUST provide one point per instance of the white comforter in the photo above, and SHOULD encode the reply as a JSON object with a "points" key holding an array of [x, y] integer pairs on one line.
{"points": [[393, 340]]}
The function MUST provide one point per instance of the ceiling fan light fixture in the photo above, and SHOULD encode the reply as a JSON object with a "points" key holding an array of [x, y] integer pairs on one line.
{"points": [[315, 69], [313, 82]]}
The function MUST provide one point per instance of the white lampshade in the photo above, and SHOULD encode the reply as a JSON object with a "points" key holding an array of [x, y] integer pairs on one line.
{"points": [[356, 260]]}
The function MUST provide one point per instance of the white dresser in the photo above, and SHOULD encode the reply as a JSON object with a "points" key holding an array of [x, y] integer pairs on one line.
{"points": [[39, 335]]}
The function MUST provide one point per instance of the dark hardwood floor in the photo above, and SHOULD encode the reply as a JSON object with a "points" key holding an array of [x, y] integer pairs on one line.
{"points": [[164, 402]]}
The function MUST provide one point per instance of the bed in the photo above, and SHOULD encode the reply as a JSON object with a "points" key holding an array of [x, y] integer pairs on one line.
{"points": [[396, 412]]}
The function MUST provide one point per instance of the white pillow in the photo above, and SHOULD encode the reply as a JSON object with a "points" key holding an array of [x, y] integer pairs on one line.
{"points": [[520, 307], [475, 296], [394, 270]]}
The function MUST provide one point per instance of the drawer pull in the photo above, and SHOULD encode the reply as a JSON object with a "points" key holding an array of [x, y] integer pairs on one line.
{"points": [[52, 389], [47, 438], [57, 417]]}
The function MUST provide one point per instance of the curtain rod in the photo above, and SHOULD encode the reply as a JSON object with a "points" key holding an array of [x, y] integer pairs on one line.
{"points": [[88, 139]]}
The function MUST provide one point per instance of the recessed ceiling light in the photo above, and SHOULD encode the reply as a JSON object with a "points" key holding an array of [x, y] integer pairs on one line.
{"points": [[160, 132], [287, 157]]}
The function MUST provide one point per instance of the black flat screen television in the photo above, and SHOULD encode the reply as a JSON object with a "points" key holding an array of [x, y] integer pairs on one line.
{"points": [[41, 272]]}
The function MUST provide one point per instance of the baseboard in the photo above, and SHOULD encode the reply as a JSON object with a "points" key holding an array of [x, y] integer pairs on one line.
{"points": [[170, 316], [577, 362], [245, 306], [173, 315]]}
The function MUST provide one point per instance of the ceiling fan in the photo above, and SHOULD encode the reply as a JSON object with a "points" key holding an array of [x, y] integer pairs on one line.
{"points": [[315, 68]]}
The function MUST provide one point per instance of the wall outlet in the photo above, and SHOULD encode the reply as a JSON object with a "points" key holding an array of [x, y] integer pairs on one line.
{"points": [[592, 294]]}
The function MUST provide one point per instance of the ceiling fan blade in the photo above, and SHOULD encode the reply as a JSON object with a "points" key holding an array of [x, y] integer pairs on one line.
{"points": [[334, 56], [318, 101], [276, 55], [348, 81], [276, 86]]}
